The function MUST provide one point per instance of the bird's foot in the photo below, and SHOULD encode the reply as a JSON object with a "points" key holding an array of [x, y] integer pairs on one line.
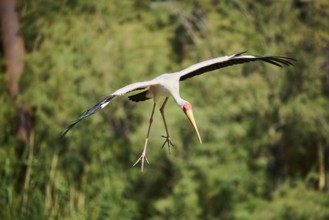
{"points": [[168, 142], [141, 159]]}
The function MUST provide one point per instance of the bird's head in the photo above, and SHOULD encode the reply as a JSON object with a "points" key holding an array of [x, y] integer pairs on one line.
{"points": [[187, 108]]}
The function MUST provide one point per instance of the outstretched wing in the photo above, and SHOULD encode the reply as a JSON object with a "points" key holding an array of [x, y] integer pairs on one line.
{"points": [[221, 62], [98, 106]]}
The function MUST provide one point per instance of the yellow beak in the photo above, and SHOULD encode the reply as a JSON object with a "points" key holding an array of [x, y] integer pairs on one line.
{"points": [[190, 117]]}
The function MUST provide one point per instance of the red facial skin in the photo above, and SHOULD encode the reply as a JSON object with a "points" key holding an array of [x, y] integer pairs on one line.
{"points": [[187, 106]]}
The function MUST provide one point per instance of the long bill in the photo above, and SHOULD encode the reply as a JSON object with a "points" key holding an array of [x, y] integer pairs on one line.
{"points": [[189, 115]]}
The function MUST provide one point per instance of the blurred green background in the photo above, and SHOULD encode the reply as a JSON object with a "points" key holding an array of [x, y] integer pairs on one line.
{"points": [[265, 129]]}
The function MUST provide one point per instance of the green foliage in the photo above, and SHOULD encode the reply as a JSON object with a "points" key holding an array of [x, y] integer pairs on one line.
{"points": [[265, 129]]}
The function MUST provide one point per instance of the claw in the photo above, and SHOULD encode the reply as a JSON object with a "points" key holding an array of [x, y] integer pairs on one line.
{"points": [[167, 141], [141, 159]]}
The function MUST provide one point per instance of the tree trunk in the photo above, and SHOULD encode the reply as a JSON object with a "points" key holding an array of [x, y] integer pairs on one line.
{"points": [[12, 43]]}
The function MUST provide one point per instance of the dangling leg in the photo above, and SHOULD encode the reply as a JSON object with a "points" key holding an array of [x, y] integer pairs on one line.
{"points": [[168, 140], [143, 156]]}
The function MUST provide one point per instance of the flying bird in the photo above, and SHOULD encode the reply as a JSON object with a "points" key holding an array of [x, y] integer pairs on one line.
{"points": [[167, 85]]}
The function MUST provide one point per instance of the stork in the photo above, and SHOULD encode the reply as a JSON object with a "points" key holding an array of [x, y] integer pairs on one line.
{"points": [[167, 85]]}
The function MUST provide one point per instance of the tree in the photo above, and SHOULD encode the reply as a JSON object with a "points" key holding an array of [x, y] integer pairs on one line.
{"points": [[264, 129]]}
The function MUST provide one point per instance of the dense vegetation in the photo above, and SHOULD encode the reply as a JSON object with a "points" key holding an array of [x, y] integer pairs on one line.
{"points": [[265, 129]]}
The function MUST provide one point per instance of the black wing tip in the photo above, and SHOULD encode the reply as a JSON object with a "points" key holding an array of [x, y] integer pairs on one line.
{"points": [[279, 60], [286, 60], [88, 112], [68, 128], [239, 54]]}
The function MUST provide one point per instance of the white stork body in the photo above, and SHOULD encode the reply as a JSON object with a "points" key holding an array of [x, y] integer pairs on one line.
{"points": [[167, 85]]}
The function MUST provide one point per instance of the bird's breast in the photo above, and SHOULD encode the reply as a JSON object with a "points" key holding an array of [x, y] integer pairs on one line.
{"points": [[159, 90], [167, 85]]}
